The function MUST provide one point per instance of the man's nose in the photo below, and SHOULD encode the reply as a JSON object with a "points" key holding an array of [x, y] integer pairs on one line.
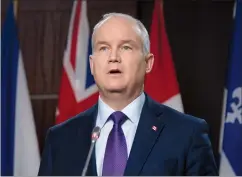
{"points": [[114, 56]]}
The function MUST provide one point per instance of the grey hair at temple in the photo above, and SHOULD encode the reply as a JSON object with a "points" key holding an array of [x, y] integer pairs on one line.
{"points": [[141, 30]]}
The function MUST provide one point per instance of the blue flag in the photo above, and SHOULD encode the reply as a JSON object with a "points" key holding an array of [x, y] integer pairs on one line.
{"points": [[19, 145], [231, 155], [9, 65]]}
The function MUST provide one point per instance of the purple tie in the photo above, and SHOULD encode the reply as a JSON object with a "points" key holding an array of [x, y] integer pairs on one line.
{"points": [[116, 154]]}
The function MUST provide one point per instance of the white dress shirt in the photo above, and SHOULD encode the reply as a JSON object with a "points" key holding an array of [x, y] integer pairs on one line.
{"points": [[132, 111]]}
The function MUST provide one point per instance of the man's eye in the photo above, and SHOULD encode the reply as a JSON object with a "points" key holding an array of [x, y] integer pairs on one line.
{"points": [[104, 48], [126, 47]]}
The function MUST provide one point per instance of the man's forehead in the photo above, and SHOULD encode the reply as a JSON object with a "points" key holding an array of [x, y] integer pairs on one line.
{"points": [[106, 38], [117, 26], [130, 30]]}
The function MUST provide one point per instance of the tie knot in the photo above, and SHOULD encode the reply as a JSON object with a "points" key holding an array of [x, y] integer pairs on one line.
{"points": [[118, 117]]}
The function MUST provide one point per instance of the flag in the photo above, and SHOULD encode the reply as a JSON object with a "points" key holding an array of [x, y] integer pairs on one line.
{"points": [[19, 145], [78, 90], [161, 83], [231, 150]]}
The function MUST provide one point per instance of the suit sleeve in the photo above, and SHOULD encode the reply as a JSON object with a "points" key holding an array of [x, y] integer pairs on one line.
{"points": [[200, 159], [45, 168]]}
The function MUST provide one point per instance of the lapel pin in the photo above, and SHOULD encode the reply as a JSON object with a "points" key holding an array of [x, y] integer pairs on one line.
{"points": [[154, 128]]}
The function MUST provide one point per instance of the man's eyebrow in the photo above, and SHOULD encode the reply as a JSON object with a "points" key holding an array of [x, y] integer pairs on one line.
{"points": [[101, 42], [128, 41]]}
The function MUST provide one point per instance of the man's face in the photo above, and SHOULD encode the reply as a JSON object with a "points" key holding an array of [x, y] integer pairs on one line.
{"points": [[118, 62]]}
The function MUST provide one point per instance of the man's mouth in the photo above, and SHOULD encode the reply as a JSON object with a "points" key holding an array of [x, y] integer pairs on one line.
{"points": [[114, 71]]}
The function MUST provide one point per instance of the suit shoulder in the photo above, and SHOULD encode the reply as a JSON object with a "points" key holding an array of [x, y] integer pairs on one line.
{"points": [[182, 117], [73, 122], [178, 118]]}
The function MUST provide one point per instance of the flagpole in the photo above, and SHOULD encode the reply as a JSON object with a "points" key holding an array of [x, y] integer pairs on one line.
{"points": [[15, 4]]}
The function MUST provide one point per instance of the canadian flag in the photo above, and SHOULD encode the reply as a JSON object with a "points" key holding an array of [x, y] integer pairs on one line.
{"points": [[78, 90], [161, 83]]}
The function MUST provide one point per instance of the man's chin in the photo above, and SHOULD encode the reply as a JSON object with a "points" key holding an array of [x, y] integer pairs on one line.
{"points": [[115, 90]]}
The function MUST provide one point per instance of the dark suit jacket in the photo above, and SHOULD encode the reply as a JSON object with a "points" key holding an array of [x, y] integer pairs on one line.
{"points": [[179, 146]]}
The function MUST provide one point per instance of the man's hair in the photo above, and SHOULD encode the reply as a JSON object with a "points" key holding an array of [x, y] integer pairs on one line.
{"points": [[141, 30]]}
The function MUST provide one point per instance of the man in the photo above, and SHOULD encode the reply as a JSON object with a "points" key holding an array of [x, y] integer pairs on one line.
{"points": [[138, 135]]}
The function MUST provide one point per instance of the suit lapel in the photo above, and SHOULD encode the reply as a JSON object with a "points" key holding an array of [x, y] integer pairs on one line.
{"points": [[149, 128]]}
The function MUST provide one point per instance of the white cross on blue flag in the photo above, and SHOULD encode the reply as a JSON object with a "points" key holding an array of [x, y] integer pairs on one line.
{"points": [[231, 150]]}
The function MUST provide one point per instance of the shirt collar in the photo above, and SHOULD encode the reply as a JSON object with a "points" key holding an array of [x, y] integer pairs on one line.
{"points": [[132, 111]]}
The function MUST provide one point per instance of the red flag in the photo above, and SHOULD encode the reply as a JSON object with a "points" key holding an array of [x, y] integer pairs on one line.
{"points": [[161, 83], [78, 90]]}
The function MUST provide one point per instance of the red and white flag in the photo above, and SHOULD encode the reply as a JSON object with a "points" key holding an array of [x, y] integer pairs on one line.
{"points": [[161, 83], [78, 90]]}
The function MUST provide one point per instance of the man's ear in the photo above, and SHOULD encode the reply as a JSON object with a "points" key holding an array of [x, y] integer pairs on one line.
{"points": [[91, 63], [149, 59]]}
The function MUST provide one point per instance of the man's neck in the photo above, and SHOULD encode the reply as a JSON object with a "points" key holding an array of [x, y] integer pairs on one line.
{"points": [[119, 101]]}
